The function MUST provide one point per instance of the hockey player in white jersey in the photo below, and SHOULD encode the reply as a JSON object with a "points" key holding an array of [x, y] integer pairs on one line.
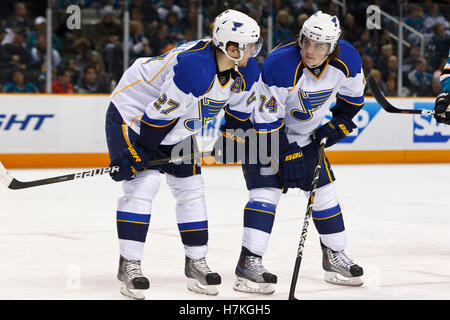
{"points": [[298, 83], [159, 103], [442, 104]]}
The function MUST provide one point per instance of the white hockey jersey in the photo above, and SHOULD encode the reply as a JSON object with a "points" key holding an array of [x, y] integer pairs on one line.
{"points": [[183, 85], [299, 97]]}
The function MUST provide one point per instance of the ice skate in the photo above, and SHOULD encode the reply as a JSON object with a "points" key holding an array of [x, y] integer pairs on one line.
{"points": [[340, 269], [133, 282], [200, 277], [252, 277]]}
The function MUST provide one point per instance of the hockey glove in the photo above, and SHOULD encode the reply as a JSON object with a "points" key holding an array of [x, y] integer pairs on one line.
{"points": [[292, 166], [132, 160], [232, 144], [335, 130], [442, 108]]}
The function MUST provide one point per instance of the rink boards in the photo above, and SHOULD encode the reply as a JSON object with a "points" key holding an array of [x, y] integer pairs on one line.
{"points": [[56, 131]]}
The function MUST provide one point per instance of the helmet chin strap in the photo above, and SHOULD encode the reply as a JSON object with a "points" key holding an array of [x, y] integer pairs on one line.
{"points": [[236, 61]]}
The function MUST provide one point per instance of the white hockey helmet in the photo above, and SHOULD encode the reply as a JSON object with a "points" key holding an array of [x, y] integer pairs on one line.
{"points": [[321, 27], [235, 26]]}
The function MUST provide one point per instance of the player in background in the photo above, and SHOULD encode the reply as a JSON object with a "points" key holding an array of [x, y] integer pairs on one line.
{"points": [[160, 103], [298, 83], [442, 104]]}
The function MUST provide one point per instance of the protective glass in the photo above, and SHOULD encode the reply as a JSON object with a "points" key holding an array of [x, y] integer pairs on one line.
{"points": [[253, 49]]}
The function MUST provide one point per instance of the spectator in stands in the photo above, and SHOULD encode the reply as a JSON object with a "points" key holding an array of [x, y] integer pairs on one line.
{"points": [[307, 6], [72, 66], [415, 21], [84, 53], [40, 24], [18, 84], [16, 53], [169, 6], [254, 7], [411, 58], [160, 40], [386, 52], [367, 64], [10, 32], [188, 35], [63, 83], [39, 53], [420, 79], [351, 30], [359, 47], [108, 26], [2, 34], [279, 5], [20, 18], [301, 18], [378, 80], [391, 86], [436, 83], [150, 17], [439, 45], [364, 39], [41, 81], [282, 31], [139, 45], [4, 58], [102, 76], [89, 83], [332, 9], [433, 17], [174, 26], [391, 69], [385, 38], [191, 18], [109, 33]]}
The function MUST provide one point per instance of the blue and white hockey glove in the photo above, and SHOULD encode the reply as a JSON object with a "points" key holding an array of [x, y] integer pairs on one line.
{"points": [[442, 108], [335, 130], [132, 160], [292, 166]]}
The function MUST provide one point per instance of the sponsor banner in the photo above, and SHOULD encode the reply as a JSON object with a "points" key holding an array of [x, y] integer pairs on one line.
{"points": [[52, 123], [75, 124]]}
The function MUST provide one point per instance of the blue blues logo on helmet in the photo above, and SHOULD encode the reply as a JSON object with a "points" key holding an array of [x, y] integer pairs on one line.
{"points": [[236, 25]]}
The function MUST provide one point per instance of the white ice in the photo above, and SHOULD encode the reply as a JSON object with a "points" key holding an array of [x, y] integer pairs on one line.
{"points": [[60, 242]]}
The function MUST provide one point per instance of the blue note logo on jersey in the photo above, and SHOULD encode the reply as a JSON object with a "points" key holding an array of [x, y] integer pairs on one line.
{"points": [[362, 120], [310, 101], [208, 109], [426, 129], [236, 25]]}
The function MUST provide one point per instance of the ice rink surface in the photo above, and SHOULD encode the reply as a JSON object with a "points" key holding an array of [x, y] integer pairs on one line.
{"points": [[59, 241]]}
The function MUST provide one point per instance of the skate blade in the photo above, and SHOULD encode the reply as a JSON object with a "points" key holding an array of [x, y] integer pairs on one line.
{"points": [[336, 278], [137, 294], [245, 285], [195, 286]]}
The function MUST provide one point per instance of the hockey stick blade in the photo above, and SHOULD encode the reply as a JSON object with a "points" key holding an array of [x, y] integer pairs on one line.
{"points": [[8, 180], [389, 107]]}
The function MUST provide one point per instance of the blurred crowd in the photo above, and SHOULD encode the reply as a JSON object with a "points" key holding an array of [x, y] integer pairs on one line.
{"points": [[90, 59]]}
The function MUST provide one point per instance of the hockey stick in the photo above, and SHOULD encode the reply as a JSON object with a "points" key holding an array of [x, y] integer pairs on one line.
{"points": [[389, 107], [8, 180], [298, 260]]}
